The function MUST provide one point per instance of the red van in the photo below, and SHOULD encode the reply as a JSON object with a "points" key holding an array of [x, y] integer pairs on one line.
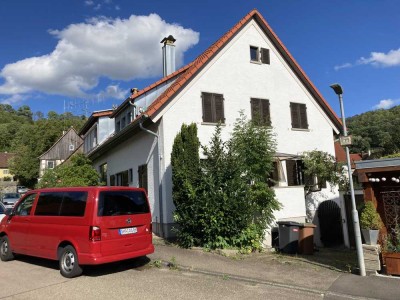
{"points": [[78, 226]]}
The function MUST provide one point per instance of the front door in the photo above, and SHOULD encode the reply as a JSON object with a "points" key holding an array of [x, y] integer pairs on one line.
{"points": [[18, 225]]}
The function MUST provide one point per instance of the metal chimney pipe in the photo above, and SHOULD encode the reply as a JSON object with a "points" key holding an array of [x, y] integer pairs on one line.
{"points": [[168, 54]]}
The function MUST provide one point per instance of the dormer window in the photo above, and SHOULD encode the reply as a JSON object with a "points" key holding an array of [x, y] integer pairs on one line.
{"points": [[259, 55]]}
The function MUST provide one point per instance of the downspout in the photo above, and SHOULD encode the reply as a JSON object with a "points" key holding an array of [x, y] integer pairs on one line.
{"points": [[142, 118]]}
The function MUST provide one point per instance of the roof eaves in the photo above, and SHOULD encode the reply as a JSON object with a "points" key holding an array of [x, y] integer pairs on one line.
{"points": [[203, 58], [298, 70]]}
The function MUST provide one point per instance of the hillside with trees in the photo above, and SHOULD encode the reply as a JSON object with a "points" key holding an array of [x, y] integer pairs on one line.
{"points": [[377, 131], [28, 135]]}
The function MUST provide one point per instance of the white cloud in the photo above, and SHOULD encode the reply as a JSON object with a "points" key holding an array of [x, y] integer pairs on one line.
{"points": [[14, 99], [118, 49], [343, 66], [386, 103], [113, 91], [379, 59], [89, 2]]}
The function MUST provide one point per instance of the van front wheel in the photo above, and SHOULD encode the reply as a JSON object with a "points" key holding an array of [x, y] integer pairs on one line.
{"points": [[5, 249], [68, 261]]}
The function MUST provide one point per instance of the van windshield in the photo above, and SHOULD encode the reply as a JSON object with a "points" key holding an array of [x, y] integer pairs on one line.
{"points": [[115, 203]]}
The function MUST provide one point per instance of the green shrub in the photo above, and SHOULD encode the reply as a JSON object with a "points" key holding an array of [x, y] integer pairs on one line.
{"points": [[223, 201], [369, 218]]}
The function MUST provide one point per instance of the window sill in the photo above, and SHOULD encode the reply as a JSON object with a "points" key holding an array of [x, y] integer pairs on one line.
{"points": [[300, 129], [257, 62], [212, 124]]}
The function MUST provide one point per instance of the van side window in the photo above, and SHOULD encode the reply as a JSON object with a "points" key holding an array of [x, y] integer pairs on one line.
{"points": [[74, 204], [115, 203], [25, 207], [48, 204], [61, 204]]}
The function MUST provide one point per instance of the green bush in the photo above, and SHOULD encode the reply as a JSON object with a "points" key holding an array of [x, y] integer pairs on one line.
{"points": [[223, 201], [369, 218]]}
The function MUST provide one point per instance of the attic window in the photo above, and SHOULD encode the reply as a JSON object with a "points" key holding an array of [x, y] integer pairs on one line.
{"points": [[254, 54], [71, 147], [259, 55]]}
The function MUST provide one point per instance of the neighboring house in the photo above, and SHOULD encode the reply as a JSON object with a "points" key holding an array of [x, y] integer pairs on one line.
{"points": [[4, 166], [68, 143], [247, 69], [98, 128]]}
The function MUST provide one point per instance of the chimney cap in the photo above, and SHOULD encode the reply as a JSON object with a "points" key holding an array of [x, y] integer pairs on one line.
{"points": [[168, 40]]}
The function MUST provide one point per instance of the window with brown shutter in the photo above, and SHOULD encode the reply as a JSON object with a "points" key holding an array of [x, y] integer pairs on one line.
{"points": [[260, 111], [265, 56], [298, 112], [213, 108]]}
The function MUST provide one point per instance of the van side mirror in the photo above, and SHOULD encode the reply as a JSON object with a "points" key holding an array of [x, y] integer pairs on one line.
{"points": [[9, 212]]}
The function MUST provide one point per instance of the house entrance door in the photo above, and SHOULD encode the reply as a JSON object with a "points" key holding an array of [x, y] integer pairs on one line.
{"points": [[330, 222]]}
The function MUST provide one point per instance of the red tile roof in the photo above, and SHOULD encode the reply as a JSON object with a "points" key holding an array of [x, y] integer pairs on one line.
{"points": [[206, 56], [4, 157], [186, 73]]}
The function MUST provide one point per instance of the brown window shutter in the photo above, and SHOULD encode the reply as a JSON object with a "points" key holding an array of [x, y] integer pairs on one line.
{"points": [[265, 56], [255, 108], [291, 172], [142, 172], [294, 111], [207, 107], [266, 118], [303, 116], [219, 108]]}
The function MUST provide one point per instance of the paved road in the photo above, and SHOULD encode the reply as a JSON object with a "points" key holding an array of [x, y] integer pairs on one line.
{"points": [[31, 278]]}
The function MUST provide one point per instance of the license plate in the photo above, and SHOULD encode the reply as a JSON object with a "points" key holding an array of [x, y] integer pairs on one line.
{"points": [[130, 230]]}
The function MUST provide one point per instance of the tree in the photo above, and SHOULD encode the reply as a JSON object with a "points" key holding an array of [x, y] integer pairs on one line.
{"points": [[226, 202], [25, 166], [79, 172], [185, 162]]}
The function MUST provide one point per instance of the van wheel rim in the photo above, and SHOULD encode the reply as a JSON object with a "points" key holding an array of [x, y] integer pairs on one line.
{"points": [[68, 261], [4, 248]]}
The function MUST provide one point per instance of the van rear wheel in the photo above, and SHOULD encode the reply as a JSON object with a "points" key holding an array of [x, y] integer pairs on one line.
{"points": [[68, 261], [5, 249]]}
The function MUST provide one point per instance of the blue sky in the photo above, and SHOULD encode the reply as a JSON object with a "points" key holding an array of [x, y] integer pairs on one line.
{"points": [[85, 55]]}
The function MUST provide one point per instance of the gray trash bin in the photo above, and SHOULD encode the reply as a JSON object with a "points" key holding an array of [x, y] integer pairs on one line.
{"points": [[288, 236]]}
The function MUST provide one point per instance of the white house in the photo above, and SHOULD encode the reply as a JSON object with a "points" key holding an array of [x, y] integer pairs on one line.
{"points": [[247, 69]]}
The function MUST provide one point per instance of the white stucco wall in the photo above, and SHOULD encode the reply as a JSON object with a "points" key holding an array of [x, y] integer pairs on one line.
{"points": [[138, 150], [232, 74]]}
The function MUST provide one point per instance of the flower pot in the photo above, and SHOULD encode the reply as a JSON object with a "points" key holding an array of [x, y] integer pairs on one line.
{"points": [[370, 236], [392, 261]]}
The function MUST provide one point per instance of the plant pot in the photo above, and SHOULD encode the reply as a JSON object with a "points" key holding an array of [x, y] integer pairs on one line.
{"points": [[370, 236], [392, 261]]}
